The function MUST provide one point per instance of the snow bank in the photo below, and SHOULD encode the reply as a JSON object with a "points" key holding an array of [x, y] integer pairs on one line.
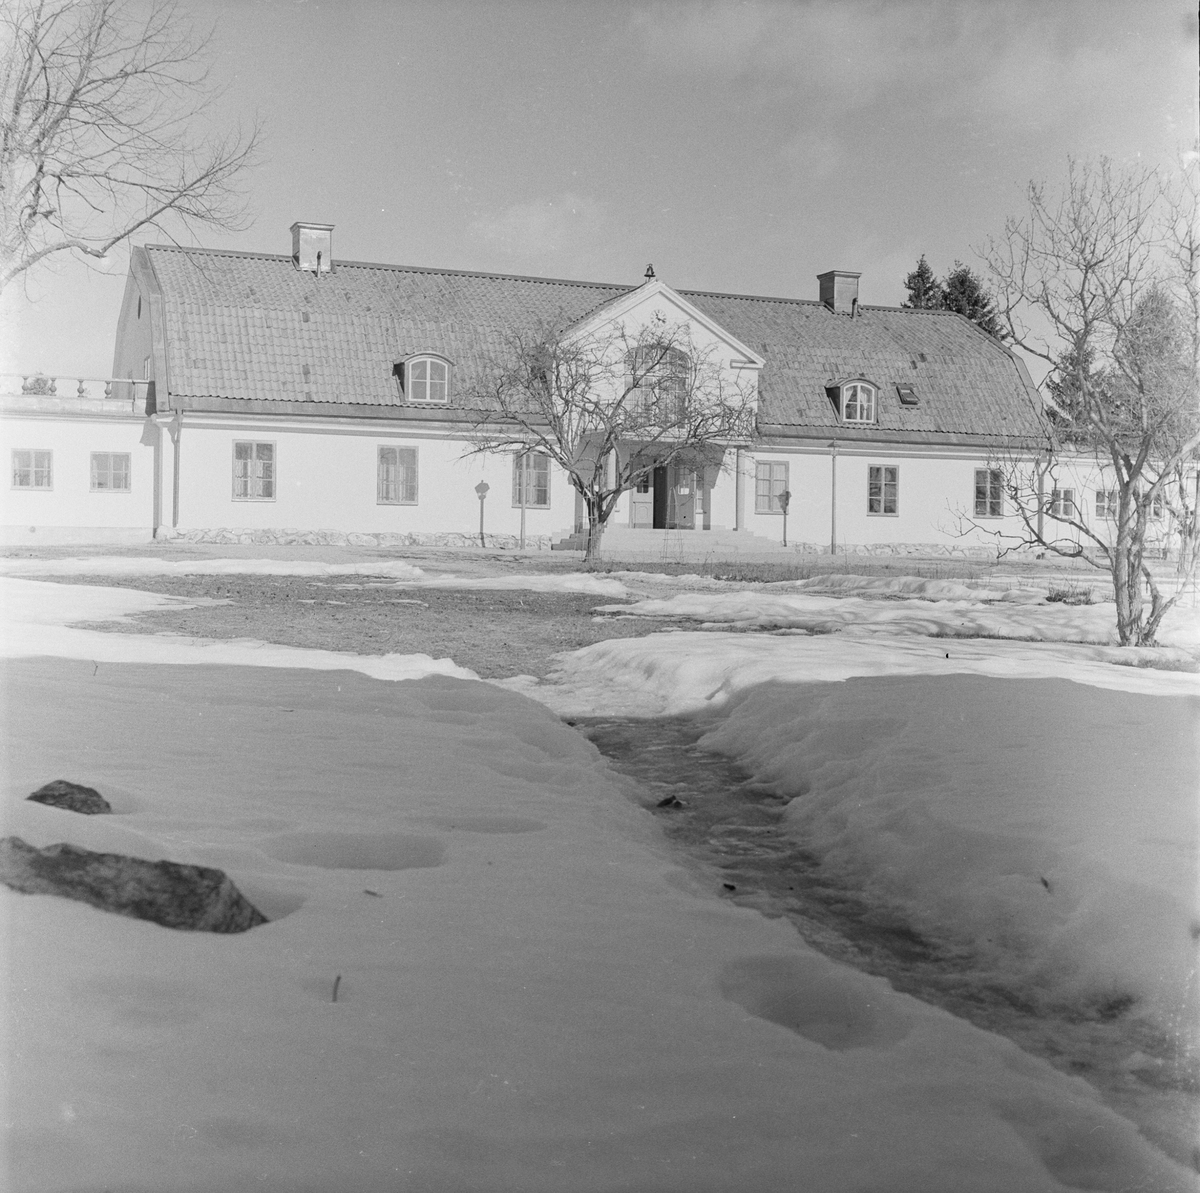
{"points": [[1048, 827], [130, 565], [407, 573], [946, 615], [995, 589], [686, 672], [38, 619], [531, 996]]}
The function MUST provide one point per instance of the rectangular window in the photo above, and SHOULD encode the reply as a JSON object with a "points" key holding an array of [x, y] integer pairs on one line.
{"points": [[1106, 503], [31, 470], [536, 469], [397, 476], [253, 471], [1156, 507], [883, 489], [110, 472], [989, 493], [1062, 503], [770, 480]]}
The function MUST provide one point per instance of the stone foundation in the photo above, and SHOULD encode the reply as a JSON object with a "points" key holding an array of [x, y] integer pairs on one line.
{"points": [[343, 538]]}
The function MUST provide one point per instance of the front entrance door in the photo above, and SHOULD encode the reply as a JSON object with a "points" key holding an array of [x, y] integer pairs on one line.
{"points": [[641, 503], [662, 493], [682, 512]]}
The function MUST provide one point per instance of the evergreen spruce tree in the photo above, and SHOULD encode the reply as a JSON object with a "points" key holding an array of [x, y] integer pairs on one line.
{"points": [[925, 292], [965, 293]]}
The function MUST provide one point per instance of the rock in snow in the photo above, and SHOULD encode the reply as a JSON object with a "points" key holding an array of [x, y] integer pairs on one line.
{"points": [[198, 898], [72, 797]]}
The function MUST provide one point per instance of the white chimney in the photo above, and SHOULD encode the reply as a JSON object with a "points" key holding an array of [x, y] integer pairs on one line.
{"points": [[839, 291], [312, 247]]}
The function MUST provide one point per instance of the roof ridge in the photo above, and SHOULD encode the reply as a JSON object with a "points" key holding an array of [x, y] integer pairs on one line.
{"points": [[340, 264]]}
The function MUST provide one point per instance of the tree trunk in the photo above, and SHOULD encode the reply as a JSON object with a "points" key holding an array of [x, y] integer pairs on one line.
{"points": [[1127, 589], [595, 531]]}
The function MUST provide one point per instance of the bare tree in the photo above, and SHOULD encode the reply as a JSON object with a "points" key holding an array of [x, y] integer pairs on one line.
{"points": [[609, 407], [1101, 284], [104, 114]]}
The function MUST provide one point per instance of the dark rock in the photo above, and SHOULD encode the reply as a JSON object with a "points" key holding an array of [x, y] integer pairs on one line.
{"points": [[671, 801], [198, 898], [72, 797]]}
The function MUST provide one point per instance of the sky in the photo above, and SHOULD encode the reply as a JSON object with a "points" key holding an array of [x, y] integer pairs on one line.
{"points": [[739, 147]]}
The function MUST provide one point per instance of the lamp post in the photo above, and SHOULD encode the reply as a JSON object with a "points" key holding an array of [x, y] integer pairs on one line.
{"points": [[785, 499], [482, 490]]}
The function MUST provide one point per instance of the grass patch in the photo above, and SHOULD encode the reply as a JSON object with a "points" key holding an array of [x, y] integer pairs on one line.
{"points": [[1071, 594]]}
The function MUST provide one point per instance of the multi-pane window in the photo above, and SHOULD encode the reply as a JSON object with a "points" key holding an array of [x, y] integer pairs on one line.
{"points": [[1062, 503], [883, 489], [657, 377], [31, 470], [989, 493], [1107, 503], [253, 471], [534, 469], [770, 480], [1156, 507], [110, 472], [858, 403], [428, 380], [397, 480]]}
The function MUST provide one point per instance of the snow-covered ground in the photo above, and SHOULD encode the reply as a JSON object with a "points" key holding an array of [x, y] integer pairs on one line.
{"points": [[533, 995]]}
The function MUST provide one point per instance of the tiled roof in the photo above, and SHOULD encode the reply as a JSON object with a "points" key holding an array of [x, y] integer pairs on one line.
{"points": [[252, 327]]}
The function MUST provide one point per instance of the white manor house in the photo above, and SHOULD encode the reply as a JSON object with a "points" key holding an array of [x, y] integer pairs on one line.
{"points": [[296, 397]]}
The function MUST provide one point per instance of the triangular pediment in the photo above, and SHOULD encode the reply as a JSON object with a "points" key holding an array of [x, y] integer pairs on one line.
{"points": [[654, 299]]}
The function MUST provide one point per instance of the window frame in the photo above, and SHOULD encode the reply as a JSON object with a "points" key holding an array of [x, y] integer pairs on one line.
{"points": [[844, 398], [401, 486], [1062, 504], [882, 497], [665, 386], [993, 493], [426, 359], [33, 470], [772, 506], [94, 472], [516, 479], [255, 444], [1108, 504]]}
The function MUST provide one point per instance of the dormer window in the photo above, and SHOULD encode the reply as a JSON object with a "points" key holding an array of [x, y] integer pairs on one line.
{"points": [[858, 402], [424, 378]]}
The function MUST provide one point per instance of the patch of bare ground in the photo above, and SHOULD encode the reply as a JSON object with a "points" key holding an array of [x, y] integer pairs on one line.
{"points": [[495, 633]]}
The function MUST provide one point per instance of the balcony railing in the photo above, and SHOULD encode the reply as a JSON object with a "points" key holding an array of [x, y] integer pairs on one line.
{"points": [[128, 391]]}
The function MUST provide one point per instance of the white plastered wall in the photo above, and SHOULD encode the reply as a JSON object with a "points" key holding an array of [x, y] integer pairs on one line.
{"points": [[326, 474], [936, 498], [32, 515]]}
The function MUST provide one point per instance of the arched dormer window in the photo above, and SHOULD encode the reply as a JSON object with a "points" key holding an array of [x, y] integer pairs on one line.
{"points": [[855, 399], [858, 402], [424, 378], [658, 378]]}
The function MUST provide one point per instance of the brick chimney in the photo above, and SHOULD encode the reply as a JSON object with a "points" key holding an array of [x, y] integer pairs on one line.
{"points": [[839, 291], [312, 247]]}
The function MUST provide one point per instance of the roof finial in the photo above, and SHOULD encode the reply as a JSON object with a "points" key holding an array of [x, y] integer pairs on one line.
{"points": [[649, 274]]}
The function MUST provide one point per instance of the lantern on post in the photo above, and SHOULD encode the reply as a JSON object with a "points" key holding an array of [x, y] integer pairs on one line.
{"points": [[785, 499], [481, 491]]}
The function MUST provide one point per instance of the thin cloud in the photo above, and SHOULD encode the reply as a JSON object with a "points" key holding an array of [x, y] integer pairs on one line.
{"points": [[568, 224]]}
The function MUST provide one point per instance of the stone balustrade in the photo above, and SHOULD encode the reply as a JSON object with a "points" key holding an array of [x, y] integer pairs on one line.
{"points": [[129, 393]]}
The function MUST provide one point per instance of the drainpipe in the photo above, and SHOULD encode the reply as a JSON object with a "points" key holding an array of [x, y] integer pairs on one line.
{"points": [[739, 488], [175, 428], [833, 499]]}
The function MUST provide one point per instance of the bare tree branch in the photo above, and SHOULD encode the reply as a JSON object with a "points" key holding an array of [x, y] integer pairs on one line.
{"points": [[104, 107], [1111, 270], [609, 407]]}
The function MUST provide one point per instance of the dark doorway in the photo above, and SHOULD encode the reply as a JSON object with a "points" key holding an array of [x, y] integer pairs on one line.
{"points": [[662, 491]]}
